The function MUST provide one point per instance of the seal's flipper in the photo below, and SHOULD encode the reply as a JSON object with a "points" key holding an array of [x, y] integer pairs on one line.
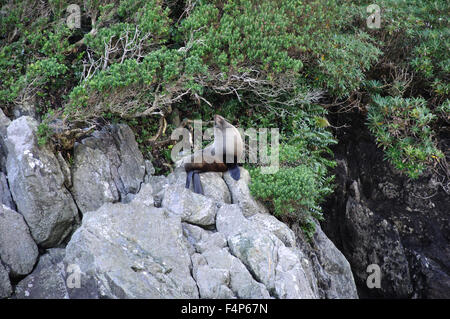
{"points": [[197, 184], [235, 172], [189, 178]]}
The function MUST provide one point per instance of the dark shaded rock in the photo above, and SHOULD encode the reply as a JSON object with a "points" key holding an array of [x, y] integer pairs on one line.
{"points": [[5, 194], [5, 284], [416, 213], [4, 123], [428, 277], [53, 279], [47, 281], [373, 240]]}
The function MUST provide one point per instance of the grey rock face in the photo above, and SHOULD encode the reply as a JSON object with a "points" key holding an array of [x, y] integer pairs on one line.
{"points": [[4, 123], [201, 210], [133, 251], [212, 282], [220, 275], [240, 194], [5, 284], [159, 185], [194, 246], [202, 239], [266, 257], [149, 171], [37, 185], [273, 225], [47, 281], [217, 272], [18, 251], [341, 282], [93, 184], [331, 271], [214, 187], [145, 195], [193, 208], [108, 166]]}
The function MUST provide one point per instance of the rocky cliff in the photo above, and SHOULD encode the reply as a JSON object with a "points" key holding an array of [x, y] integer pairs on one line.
{"points": [[378, 216], [106, 227]]}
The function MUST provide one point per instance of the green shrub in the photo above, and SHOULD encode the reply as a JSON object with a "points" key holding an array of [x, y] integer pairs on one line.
{"points": [[402, 128], [255, 50], [127, 89], [302, 181], [280, 39]]}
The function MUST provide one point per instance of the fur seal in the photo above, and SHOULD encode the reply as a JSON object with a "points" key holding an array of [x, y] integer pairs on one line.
{"points": [[222, 155]]}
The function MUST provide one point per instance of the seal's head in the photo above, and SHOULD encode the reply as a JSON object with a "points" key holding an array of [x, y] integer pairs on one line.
{"points": [[220, 122]]}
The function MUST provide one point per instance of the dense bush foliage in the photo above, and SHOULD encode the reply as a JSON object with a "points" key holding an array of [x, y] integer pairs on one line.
{"points": [[402, 127], [409, 88], [302, 179], [258, 63]]}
